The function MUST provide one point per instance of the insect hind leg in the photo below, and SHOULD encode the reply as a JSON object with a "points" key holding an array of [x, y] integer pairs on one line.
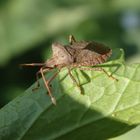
{"points": [[99, 69], [109, 75]]}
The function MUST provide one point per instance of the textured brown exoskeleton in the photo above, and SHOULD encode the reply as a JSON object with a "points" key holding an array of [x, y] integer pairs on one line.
{"points": [[74, 55]]}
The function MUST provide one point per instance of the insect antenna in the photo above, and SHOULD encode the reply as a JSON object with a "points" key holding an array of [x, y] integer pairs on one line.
{"points": [[33, 64]]}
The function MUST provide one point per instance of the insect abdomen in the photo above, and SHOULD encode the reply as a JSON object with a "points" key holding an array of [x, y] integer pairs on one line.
{"points": [[89, 58]]}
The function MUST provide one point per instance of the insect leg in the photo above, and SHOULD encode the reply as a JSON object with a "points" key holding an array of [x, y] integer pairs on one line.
{"points": [[96, 69], [109, 75], [47, 85], [37, 77], [51, 79], [71, 39], [99, 69], [37, 74], [37, 80], [74, 80]]}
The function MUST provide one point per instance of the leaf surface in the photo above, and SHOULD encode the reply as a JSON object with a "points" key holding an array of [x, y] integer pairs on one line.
{"points": [[107, 109]]}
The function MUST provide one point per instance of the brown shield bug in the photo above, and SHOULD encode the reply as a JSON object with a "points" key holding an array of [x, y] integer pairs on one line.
{"points": [[74, 55]]}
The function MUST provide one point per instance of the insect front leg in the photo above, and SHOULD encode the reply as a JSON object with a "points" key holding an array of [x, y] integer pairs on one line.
{"points": [[53, 77], [37, 77], [37, 80], [47, 86], [47, 82]]}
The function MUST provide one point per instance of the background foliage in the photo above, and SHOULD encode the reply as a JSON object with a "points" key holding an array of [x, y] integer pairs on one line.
{"points": [[27, 29]]}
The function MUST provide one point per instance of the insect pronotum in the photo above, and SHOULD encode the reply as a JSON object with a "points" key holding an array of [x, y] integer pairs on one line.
{"points": [[74, 55]]}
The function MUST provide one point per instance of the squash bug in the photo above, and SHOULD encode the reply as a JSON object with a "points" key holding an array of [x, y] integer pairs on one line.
{"points": [[74, 55]]}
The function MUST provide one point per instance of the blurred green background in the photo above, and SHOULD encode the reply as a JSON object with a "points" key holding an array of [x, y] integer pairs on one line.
{"points": [[28, 28]]}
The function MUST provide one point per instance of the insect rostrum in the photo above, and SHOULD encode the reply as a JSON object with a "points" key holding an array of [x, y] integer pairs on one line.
{"points": [[74, 55]]}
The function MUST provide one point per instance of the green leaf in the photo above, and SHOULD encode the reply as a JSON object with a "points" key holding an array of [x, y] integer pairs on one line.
{"points": [[24, 24], [107, 109]]}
